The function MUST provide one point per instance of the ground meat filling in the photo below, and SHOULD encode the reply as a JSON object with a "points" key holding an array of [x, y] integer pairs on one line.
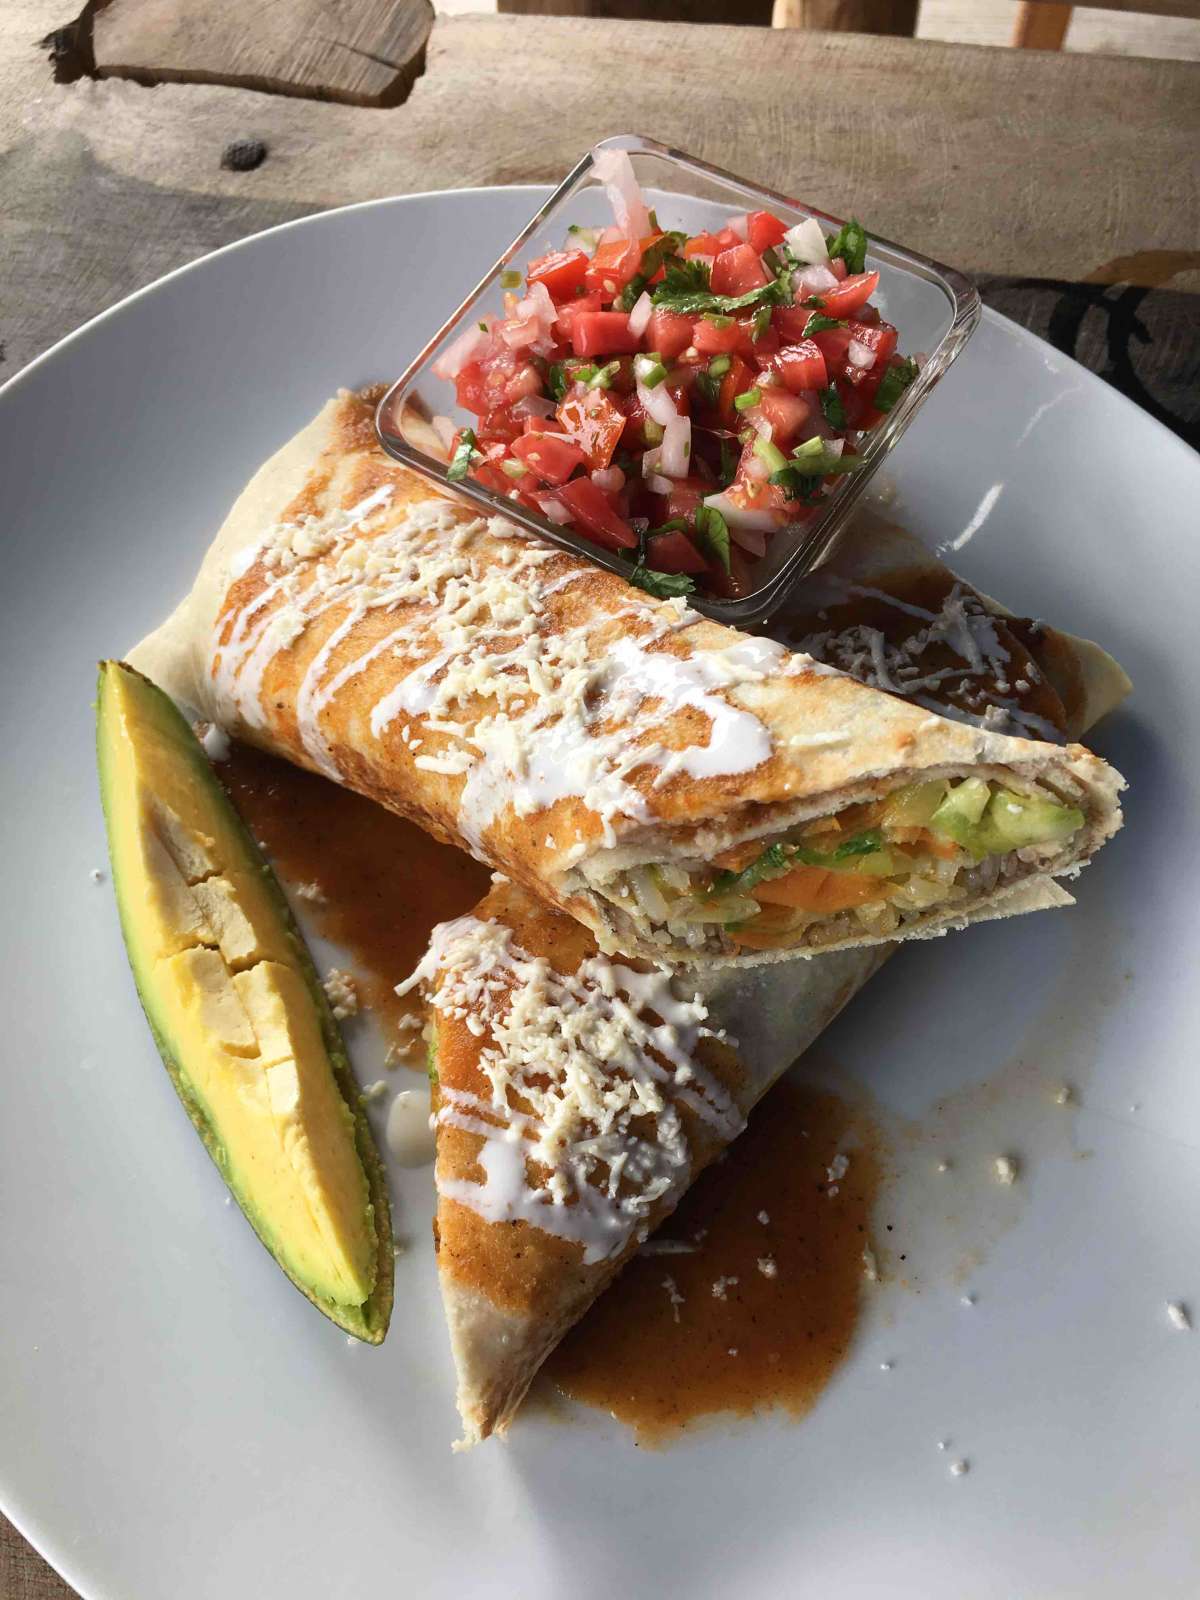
{"points": [[870, 869]]}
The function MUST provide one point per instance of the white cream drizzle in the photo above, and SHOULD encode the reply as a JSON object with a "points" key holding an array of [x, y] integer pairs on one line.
{"points": [[585, 1088], [564, 717]]}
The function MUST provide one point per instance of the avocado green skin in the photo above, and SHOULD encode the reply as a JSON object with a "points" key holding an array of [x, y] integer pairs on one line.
{"points": [[368, 1322]]}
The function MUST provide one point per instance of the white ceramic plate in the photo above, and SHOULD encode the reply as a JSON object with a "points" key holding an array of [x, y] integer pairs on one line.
{"points": [[175, 1420]]}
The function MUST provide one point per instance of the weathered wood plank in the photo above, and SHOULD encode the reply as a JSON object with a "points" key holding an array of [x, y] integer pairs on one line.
{"points": [[898, 17], [363, 52]]}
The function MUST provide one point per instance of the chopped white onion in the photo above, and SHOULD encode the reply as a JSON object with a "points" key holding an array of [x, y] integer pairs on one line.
{"points": [[676, 447], [740, 225], [464, 349], [657, 485], [749, 539], [651, 461], [639, 317], [760, 424], [537, 303], [756, 468], [553, 509], [814, 280], [445, 431], [741, 516], [610, 479], [615, 171], [533, 405], [658, 403], [860, 355], [835, 447], [806, 241]]}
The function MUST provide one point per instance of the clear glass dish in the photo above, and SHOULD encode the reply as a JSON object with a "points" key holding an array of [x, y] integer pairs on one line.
{"points": [[934, 307]]}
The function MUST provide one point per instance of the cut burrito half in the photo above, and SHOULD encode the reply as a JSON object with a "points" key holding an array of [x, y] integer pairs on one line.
{"points": [[685, 791], [577, 1098]]}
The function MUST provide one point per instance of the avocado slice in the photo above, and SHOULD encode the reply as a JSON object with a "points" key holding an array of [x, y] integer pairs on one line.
{"points": [[239, 1016]]}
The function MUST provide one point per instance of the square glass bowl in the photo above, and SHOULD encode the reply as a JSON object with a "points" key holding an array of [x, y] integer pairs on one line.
{"points": [[934, 308]]}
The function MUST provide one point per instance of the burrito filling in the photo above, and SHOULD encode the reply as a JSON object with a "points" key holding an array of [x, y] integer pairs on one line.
{"points": [[871, 869]]}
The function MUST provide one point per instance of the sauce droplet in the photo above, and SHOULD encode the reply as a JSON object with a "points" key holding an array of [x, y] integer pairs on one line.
{"points": [[409, 1135]]}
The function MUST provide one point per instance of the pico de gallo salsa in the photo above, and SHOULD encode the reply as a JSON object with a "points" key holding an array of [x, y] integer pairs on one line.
{"points": [[677, 398]]}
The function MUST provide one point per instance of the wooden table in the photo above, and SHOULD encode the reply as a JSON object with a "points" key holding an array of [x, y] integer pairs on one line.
{"points": [[1050, 166]]}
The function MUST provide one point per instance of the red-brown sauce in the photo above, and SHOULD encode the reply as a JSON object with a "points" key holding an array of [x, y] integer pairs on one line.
{"points": [[659, 1354], [383, 883]]}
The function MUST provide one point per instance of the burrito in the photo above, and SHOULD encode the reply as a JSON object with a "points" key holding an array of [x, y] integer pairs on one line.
{"points": [[685, 791], [577, 1098]]}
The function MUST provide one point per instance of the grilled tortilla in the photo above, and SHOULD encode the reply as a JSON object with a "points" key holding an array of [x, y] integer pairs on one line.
{"points": [[684, 791], [534, 1030]]}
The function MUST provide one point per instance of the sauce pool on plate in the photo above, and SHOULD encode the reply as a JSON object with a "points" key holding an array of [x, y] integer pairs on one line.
{"points": [[370, 881], [759, 1309]]}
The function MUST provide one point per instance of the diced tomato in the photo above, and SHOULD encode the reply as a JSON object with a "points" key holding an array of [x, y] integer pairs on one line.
{"points": [[543, 425], [839, 269], [470, 389], [851, 294], [570, 309], [817, 889], [764, 230], [674, 552], [684, 499], [668, 333], [498, 426], [738, 270], [526, 380], [562, 271], [612, 266], [880, 338], [786, 413], [833, 344], [858, 399], [718, 338], [593, 510], [801, 366], [595, 424], [602, 333], [710, 244], [553, 457], [737, 380], [790, 322]]}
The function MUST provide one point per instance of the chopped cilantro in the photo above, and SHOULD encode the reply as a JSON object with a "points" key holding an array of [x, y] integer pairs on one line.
{"points": [[557, 381], [685, 289], [712, 534], [465, 451], [510, 279], [895, 380], [760, 323], [653, 257], [664, 585], [818, 323], [483, 328], [729, 464], [602, 377], [850, 242], [676, 525], [832, 408]]}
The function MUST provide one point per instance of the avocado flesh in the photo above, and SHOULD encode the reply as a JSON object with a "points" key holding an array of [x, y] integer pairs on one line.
{"points": [[240, 1019]]}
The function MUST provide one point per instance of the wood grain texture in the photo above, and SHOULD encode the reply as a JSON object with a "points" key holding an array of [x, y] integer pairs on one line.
{"points": [[23, 1573], [977, 156], [1041, 26], [741, 12], [896, 17], [362, 52], [1148, 8]]}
